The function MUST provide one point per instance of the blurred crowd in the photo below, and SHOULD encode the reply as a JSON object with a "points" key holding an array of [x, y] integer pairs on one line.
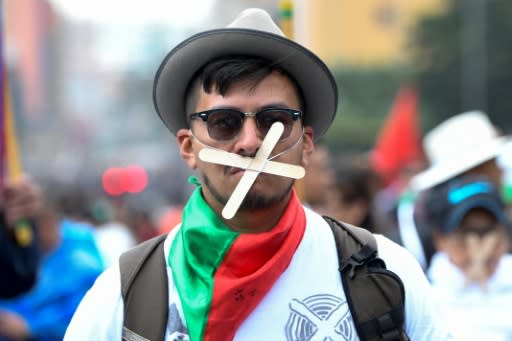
{"points": [[450, 209]]}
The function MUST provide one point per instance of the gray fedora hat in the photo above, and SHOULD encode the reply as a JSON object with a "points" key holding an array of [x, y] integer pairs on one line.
{"points": [[253, 33]]}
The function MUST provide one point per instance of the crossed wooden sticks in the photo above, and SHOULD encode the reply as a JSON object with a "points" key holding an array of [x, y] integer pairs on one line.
{"points": [[253, 167]]}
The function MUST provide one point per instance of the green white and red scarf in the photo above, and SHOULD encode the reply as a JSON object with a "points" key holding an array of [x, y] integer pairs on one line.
{"points": [[221, 275]]}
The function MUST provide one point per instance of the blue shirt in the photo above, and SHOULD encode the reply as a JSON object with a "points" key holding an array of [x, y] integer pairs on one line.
{"points": [[65, 275]]}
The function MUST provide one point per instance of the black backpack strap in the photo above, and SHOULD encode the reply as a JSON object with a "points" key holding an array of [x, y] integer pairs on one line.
{"points": [[144, 289], [374, 294]]}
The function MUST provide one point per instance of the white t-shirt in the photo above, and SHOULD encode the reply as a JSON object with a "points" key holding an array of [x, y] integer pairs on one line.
{"points": [[309, 292], [474, 313]]}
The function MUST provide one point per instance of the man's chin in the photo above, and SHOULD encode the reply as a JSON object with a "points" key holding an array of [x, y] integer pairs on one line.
{"points": [[258, 198], [256, 203], [261, 201]]}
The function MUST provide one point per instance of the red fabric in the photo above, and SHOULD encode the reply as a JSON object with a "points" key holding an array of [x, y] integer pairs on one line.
{"points": [[399, 141], [250, 269]]}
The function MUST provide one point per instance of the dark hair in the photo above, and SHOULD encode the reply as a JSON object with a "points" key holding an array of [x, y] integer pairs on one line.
{"points": [[355, 180], [220, 74]]}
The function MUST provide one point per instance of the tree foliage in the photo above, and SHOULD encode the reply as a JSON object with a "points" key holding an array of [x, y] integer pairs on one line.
{"points": [[366, 95], [462, 60]]}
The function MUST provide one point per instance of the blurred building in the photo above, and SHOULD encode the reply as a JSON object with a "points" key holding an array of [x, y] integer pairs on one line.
{"points": [[29, 44], [362, 33]]}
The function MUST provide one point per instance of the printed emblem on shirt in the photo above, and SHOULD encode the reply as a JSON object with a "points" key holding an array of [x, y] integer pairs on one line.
{"points": [[176, 330], [320, 317]]}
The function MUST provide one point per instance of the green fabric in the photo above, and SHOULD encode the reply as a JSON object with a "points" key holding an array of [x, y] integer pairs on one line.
{"points": [[196, 252], [407, 196], [506, 192]]}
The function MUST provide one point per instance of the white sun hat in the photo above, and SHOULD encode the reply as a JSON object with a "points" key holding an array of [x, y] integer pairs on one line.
{"points": [[456, 145]]}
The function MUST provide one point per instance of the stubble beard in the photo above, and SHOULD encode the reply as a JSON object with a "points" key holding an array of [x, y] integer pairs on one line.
{"points": [[253, 200]]}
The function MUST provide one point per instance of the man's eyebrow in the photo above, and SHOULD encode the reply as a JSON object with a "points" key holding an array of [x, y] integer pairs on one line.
{"points": [[223, 107], [274, 105]]}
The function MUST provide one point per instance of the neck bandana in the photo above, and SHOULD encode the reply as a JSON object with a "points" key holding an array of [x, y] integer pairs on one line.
{"points": [[221, 275]]}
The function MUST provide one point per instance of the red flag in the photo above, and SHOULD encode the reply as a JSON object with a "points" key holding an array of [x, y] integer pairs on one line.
{"points": [[399, 141]]}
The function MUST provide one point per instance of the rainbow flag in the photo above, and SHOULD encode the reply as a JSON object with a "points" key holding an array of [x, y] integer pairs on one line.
{"points": [[10, 164], [9, 154], [2, 98]]}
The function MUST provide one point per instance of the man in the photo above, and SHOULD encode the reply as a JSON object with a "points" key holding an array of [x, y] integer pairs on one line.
{"points": [[471, 270], [249, 262], [21, 203]]}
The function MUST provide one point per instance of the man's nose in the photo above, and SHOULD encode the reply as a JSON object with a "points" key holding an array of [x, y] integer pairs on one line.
{"points": [[249, 140]]}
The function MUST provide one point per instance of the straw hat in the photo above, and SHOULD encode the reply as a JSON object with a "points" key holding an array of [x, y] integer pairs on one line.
{"points": [[253, 33], [455, 146]]}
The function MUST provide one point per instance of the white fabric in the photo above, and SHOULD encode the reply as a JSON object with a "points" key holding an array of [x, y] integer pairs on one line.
{"points": [[474, 314], [409, 233], [113, 239], [309, 285]]}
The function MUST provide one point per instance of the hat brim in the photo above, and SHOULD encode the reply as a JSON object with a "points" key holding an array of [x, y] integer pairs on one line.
{"points": [[181, 64], [441, 172], [493, 207]]}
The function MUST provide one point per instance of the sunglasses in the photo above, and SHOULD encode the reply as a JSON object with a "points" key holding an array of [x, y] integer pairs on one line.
{"points": [[225, 124]]}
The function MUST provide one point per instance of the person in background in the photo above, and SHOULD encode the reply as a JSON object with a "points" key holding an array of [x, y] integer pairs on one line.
{"points": [[20, 200], [465, 144], [354, 192], [471, 270], [319, 180], [70, 263], [89, 206]]}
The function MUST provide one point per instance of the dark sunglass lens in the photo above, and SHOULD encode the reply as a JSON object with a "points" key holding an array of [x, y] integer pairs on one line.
{"points": [[268, 117], [223, 125]]}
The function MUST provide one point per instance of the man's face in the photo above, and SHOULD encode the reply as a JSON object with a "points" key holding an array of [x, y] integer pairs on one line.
{"points": [[219, 181], [477, 245]]}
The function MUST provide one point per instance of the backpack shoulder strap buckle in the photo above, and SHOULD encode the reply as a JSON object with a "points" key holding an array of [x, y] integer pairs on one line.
{"points": [[365, 254]]}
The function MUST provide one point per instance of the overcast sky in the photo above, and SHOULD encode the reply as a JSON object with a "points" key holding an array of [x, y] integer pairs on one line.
{"points": [[171, 12]]}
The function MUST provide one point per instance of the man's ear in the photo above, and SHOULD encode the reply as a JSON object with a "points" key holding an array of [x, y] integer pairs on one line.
{"points": [[184, 138], [308, 144]]}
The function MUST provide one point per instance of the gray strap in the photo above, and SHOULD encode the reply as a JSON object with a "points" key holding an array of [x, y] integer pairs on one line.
{"points": [[128, 335], [144, 289]]}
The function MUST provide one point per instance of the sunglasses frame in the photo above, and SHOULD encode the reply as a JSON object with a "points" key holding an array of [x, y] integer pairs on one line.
{"points": [[204, 115]]}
